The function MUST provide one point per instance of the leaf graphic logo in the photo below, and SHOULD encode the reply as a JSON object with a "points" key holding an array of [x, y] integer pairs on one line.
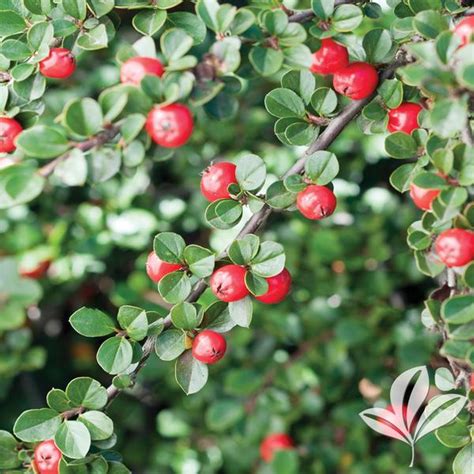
{"points": [[407, 395]]}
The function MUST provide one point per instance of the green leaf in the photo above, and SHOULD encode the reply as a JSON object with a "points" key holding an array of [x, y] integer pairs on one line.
{"points": [[266, 61], [170, 344], [73, 439], [101, 7], [400, 145], [323, 8], [99, 425], [250, 172], [391, 91], [285, 462], [241, 312], [242, 251], [37, 425], [73, 170], [149, 22], [11, 23], [15, 50], [200, 261], [284, 103], [57, 400], [190, 23], [190, 374], [269, 261], [92, 322], [444, 379], [377, 44], [175, 287], [454, 435], [256, 285], [458, 309], [169, 247], [75, 8], [322, 167], [469, 275], [185, 316], [134, 320], [115, 355], [448, 116], [8, 451], [324, 101], [224, 414], [19, 184], [347, 18], [103, 164], [429, 180], [430, 23], [279, 197], [301, 82], [217, 317], [94, 39], [207, 10], [42, 142], [301, 133], [224, 213], [87, 392], [83, 117], [175, 43]]}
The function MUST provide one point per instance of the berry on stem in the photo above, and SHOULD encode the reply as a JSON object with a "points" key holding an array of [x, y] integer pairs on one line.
{"points": [[170, 126], [135, 69], [455, 247], [59, 64], [156, 268], [46, 458], [278, 287], [316, 202], [228, 283], [404, 118], [9, 129], [209, 347], [216, 179], [356, 81], [274, 442], [465, 30], [329, 58], [423, 197]]}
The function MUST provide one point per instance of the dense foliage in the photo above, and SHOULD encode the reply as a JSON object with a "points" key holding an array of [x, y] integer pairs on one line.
{"points": [[113, 112]]}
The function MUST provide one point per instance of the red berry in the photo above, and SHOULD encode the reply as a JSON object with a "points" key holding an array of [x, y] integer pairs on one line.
{"points": [[356, 81], [209, 347], [465, 29], [170, 126], [472, 382], [216, 179], [9, 129], [278, 287], [59, 64], [46, 458], [423, 197], [36, 271], [329, 58], [274, 442], [156, 269], [135, 69], [228, 283], [316, 202], [404, 118], [455, 247]]}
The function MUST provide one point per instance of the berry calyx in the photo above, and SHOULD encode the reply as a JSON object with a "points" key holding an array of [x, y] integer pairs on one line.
{"points": [[329, 58], [278, 287], [216, 179], [46, 458], [170, 126], [36, 271], [356, 81], [209, 347], [274, 442], [228, 283], [404, 118], [423, 197], [316, 202], [156, 268], [135, 69], [9, 130], [455, 247], [465, 30], [59, 64]]}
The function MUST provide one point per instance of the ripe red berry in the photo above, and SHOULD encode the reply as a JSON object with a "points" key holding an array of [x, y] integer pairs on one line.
{"points": [[36, 271], [216, 179], [278, 287], [465, 30], [356, 81], [46, 458], [329, 58], [170, 126], [59, 64], [404, 118], [156, 269], [316, 202], [455, 247], [274, 442], [228, 283], [209, 347], [9, 129], [423, 197], [135, 69]]}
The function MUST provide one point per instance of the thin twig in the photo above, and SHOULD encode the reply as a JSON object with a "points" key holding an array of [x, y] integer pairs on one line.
{"points": [[306, 15]]}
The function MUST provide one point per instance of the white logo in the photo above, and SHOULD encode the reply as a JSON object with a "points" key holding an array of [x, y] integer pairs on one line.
{"points": [[402, 421]]}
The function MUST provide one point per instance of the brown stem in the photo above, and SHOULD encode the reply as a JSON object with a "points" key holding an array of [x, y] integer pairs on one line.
{"points": [[5, 76]]}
